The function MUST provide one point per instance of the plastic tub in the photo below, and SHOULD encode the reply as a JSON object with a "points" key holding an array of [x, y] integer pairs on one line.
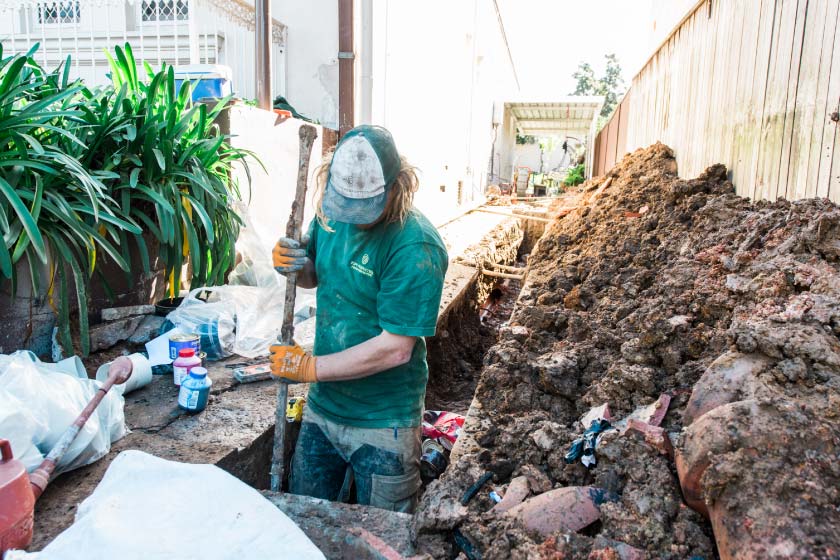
{"points": [[207, 80]]}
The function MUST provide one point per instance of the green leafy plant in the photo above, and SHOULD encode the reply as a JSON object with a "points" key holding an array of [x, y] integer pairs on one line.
{"points": [[84, 171], [575, 176]]}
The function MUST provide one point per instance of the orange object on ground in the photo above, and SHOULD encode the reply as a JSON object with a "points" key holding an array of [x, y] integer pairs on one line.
{"points": [[17, 502]]}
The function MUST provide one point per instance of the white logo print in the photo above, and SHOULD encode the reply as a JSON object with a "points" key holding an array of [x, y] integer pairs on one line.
{"points": [[365, 258]]}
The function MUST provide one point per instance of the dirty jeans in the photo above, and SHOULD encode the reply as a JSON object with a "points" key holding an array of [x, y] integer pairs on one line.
{"points": [[385, 463]]}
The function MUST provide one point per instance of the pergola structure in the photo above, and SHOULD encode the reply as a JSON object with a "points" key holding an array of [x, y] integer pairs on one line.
{"points": [[566, 117]]}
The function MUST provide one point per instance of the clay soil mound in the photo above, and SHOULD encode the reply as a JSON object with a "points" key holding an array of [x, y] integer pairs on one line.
{"points": [[662, 285]]}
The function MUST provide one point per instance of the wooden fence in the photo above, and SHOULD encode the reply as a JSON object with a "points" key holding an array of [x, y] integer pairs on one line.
{"points": [[753, 84]]}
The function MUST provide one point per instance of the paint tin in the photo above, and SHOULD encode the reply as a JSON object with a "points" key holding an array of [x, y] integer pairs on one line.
{"points": [[178, 342]]}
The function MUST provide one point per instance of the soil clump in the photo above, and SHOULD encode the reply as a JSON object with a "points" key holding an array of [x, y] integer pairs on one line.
{"points": [[657, 284]]}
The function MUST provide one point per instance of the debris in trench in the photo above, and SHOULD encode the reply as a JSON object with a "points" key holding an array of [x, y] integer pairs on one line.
{"points": [[494, 299], [440, 432], [473, 490], [729, 308], [517, 491], [442, 426], [433, 460], [583, 447]]}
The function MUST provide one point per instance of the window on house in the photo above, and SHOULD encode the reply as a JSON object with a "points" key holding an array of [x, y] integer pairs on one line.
{"points": [[164, 10], [63, 11]]}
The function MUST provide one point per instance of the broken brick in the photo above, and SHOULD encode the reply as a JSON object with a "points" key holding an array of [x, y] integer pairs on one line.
{"points": [[516, 492], [564, 509], [654, 436]]}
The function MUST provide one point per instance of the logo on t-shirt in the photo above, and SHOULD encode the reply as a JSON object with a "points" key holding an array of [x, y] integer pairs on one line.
{"points": [[361, 268]]}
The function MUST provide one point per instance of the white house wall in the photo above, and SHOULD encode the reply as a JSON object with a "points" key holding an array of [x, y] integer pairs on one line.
{"points": [[312, 57], [529, 155], [437, 69]]}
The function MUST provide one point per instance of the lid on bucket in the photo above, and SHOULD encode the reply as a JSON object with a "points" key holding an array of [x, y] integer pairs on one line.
{"points": [[198, 371], [186, 352]]}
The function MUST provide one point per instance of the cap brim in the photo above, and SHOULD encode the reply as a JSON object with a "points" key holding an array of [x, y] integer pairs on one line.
{"points": [[357, 211]]}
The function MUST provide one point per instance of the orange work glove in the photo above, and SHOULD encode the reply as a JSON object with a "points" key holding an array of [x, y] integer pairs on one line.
{"points": [[289, 256], [291, 363]]}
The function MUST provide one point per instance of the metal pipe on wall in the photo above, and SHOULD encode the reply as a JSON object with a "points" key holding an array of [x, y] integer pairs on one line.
{"points": [[345, 66], [262, 53]]}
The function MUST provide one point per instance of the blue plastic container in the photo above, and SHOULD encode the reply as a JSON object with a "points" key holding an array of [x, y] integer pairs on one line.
{"points": [[206, 80], [209, 340], [195, 390]]}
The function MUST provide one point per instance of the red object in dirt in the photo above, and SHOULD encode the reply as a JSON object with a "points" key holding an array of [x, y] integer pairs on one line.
{"points": [[442, 426], [17, 502], [654, 436]]}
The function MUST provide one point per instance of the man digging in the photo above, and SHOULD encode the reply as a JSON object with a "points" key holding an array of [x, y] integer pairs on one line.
{"points": [[379, 266]]}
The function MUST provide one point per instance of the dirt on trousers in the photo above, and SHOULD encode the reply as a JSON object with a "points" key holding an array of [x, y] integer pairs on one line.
{"points": [[657, 284]]}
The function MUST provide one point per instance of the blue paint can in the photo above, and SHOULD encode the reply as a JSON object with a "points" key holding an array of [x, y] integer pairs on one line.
{"points": [[195, 390], [178, 342]]}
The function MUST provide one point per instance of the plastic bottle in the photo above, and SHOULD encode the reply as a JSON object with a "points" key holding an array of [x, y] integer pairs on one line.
{"points": [[183, 364], [195, 390]]}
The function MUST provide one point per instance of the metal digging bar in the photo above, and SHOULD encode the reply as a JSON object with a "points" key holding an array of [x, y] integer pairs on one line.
{"points": [[287, 332]]}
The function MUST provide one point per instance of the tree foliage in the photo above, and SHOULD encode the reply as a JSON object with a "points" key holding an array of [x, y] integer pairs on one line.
{"points": [[610, 85]]}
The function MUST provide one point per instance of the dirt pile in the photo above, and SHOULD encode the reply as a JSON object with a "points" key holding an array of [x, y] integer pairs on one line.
{"points": [[662, 285]]}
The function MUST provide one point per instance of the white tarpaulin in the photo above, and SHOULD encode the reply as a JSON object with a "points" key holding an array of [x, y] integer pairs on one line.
{"points": [[152, 509]]}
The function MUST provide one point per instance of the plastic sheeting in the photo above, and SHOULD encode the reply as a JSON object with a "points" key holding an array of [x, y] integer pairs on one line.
{"points": [[246, 314], [39, 401], [153, 509]]}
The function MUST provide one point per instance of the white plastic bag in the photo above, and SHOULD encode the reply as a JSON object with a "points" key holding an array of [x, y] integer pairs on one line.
{"points": [[245, 320], [38, 403], [152, 509], [213, 320], [255, 267]]}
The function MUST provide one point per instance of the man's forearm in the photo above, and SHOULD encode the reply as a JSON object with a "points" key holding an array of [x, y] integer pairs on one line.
{"points": [[306, 277], [380, 353]]}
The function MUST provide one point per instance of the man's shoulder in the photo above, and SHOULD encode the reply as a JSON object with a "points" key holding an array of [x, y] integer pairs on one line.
{"points": [[418, 229]]}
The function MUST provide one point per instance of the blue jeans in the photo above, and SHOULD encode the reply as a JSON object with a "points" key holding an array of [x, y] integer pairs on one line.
{"points": [[383, 462]]}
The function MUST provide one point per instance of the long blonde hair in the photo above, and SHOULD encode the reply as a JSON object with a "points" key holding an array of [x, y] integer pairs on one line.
{"points": [[400, 196]]}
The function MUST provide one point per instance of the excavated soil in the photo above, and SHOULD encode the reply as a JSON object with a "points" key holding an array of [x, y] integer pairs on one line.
{"points": [[635, 294]]}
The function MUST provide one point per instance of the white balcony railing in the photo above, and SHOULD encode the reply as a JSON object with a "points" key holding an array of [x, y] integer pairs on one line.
{"points": [[172, 31]]}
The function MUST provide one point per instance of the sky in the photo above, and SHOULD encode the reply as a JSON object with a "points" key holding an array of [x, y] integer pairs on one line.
{"points": [[549, 38]]}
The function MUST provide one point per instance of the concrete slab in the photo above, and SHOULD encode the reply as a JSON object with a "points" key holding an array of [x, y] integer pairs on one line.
{"points": [[330, 525]]}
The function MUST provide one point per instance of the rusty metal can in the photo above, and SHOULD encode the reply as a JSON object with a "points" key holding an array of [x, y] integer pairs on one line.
{"points": [[178, 342]]}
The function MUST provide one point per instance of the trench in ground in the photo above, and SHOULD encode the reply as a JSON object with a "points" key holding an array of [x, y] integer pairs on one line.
{"points": [[455, 356]]}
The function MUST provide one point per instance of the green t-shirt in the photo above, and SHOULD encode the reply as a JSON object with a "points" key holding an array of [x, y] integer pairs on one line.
{"points": [[387, 278]]}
